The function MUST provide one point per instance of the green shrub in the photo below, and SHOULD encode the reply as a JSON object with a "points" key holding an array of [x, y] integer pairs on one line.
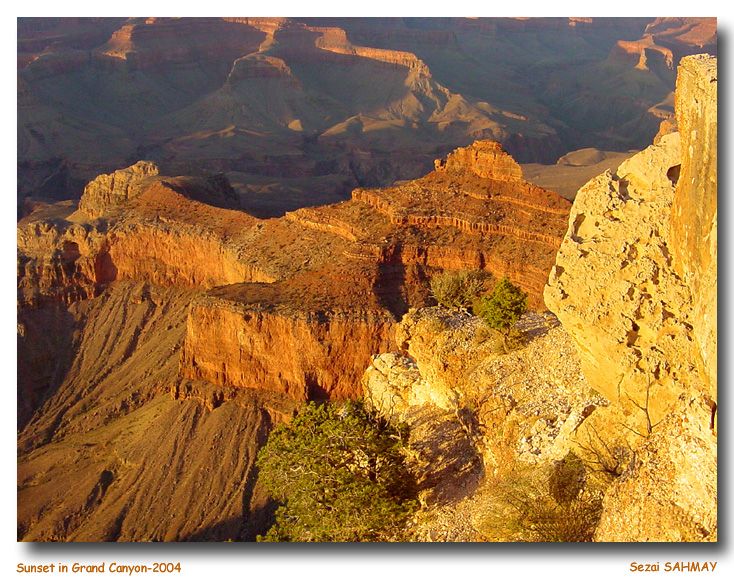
{"points": [[503, 307], [339, 472], [458, 290]]}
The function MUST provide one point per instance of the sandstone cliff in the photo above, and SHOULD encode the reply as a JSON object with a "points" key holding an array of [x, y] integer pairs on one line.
{"points": [[635, 285], [162, 331], [246, 342]]}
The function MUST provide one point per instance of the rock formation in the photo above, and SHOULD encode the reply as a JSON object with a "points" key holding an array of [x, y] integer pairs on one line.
{"points": [[522, 408], [111, 190], [693, 221], [485, 159], [614, 289], [250, 314], [635, 285], [246, 341], [118, 447], [162, 330]]}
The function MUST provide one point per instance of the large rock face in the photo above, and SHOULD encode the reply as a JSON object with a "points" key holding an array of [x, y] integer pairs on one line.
{"points": [[635, 285], [615, 291], [693, 221], [668, 493]]}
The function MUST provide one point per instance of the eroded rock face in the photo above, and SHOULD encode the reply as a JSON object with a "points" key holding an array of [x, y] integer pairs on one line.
{"points": [[528, 403], [152, 43], [334, 278], [615, 290], [77, 262], [475, 413], [111, 190], [668, 493], [635, 285], [117, 448], [303, 354]]}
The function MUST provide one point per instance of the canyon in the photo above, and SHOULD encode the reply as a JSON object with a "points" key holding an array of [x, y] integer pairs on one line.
{"points": [[268, 236], [297, 112], [166, 303]]}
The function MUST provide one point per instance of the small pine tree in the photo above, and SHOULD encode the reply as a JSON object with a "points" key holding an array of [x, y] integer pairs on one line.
{"points": [[339, 471], [503, 307]]}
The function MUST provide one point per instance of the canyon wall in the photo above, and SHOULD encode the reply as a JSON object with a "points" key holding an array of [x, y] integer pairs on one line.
{"points": [[75, 262], [152, 43], [334, 278], [467, 224], [635, 285], [305, 355]]}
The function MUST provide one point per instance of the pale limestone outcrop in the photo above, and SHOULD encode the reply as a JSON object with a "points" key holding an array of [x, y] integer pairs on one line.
{"points": [[475, 414], [635, 285], [668, 492], [614, 288], [394, 385], [694, 216], [525, 405], [111, 190]]}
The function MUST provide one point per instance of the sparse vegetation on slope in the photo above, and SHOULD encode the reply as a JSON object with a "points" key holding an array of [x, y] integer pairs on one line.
{"points": [[543, 504], [458, 290]]}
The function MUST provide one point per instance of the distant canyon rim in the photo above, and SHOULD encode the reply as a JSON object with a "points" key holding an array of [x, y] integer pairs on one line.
{"points": [[299, 111]]}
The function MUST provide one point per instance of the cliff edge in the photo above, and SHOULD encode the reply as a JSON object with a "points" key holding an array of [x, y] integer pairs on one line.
{"points": [[635, 284]]}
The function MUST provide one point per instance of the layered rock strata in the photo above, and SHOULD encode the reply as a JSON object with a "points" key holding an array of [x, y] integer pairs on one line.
{"points": [[107, 454], [332, 279], [265, 97]]}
